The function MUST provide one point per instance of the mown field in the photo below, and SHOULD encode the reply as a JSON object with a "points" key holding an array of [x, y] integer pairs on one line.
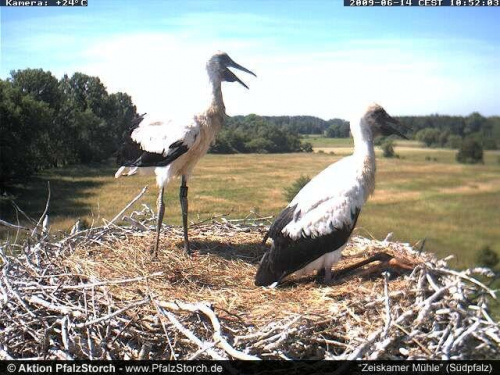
{"points": [[423, 194]]}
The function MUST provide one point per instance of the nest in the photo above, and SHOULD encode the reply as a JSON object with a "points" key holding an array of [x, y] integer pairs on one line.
{"points": [[99, 294]]}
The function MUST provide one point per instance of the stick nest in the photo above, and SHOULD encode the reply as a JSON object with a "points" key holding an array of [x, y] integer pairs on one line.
{"points": [[99, 294]]}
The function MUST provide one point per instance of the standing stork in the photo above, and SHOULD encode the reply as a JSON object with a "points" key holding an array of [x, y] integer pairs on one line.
{"points": [[172, 149], [311, 232]]}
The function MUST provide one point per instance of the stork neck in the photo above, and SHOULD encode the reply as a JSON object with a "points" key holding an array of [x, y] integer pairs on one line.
{"points": [[216, 106], [363, 139], [364, 154]]}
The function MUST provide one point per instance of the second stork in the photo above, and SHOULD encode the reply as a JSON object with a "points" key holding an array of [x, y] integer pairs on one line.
{"points": [[310, 233]]}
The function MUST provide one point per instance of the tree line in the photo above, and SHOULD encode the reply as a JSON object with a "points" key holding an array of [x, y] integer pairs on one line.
{"points": [[46, 122], [452, 131], [256, 134], [432, 130]]}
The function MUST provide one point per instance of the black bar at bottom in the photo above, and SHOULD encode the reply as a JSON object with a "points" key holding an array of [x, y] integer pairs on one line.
{"points": [[250, 367]]}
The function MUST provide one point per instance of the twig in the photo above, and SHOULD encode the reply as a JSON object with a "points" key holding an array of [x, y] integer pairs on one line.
{"points": [[387, 306], [465, 277], [427, 351], [109, 316], [191, 336], [93, 285], [217, 335], [12, 226], [42, 218], [127, 206]]}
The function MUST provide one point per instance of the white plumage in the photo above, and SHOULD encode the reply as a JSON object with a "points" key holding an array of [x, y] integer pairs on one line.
{"points": [[172, 148], [165, 138], [311, 232]]}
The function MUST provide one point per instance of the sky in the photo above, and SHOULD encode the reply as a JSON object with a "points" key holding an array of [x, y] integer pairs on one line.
{"points": [[316, 58]]}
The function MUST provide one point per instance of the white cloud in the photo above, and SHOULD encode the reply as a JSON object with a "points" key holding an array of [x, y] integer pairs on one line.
{"points": [[164, 71]]}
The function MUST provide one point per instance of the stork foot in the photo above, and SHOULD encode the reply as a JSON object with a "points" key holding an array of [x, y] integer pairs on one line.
{"points": [[153, 250], [324, 276]]}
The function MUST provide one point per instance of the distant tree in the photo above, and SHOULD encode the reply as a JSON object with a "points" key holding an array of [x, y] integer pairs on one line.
{"points": [[338, 129], [23, 133], [474, 123], [259, 145], [429, 136], [256, 134], [443, 138], [489, 143], [307, 147], [388, 149], [454, 141], [470, 152], [48, 123], [379, 140], [41, 85]]}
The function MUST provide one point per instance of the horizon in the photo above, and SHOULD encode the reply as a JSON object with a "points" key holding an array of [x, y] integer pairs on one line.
{"points": [[312, 58]]}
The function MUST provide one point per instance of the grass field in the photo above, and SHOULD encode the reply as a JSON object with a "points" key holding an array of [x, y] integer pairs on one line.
{"points": [[453, 206]]}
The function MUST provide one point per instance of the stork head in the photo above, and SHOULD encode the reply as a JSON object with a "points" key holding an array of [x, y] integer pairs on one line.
{"points": [[218, 68], [381, 123]]}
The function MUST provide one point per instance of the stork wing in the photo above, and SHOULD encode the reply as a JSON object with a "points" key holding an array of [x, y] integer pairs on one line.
{"points": [[330, 201], [156, 143], [319, 220]]}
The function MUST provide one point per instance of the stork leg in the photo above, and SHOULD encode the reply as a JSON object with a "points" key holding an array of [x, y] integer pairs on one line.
{"points": [[324, 276], [328, 275], [183, 194], [161, 211]]}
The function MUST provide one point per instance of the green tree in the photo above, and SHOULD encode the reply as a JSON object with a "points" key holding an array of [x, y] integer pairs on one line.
{"points": [[307, 147], [454, 141], [338, 129], [47, 123], [474, 123], [42, 85], [23, 133], [470, 152], [429, 136], [388, 149]]}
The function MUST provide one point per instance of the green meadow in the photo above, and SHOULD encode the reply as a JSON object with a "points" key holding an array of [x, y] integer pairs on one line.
{"points": [[422, 194]]}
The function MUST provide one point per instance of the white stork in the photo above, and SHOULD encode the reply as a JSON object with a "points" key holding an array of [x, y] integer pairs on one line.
{"points": [[172, 148], [311, 232]]}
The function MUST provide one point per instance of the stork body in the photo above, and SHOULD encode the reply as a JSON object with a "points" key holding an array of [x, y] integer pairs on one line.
{"points": [[311, 232], [172, 148]]}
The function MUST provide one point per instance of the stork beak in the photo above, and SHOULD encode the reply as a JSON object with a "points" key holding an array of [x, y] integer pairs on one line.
{"points": [[392, 126], [229, 76]]}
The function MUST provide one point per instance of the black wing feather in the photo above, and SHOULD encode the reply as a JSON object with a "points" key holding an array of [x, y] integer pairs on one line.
{"points": [[287, 255], [132, 155], [280, 222]]}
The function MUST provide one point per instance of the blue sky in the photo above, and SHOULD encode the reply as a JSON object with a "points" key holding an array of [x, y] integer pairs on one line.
{"points": [[311, 57]]}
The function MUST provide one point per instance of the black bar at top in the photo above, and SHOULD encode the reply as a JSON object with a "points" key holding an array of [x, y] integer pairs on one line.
{"points": [[422, 3], [43, 3]]}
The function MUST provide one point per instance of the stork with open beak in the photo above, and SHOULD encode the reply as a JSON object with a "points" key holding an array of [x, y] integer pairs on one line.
{"points": [[171, 148]]}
